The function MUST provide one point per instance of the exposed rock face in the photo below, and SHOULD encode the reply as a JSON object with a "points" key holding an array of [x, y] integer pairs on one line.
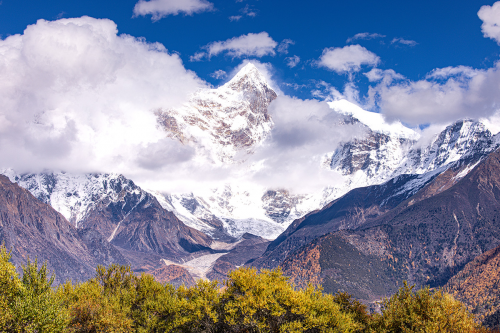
{"points": [[233, 117], [348, 212], [117, 208], [425, 239], [76, 195], [139, 223], [376, 156], [33, 229], [278, 204], [463, 138], [379, 156]]}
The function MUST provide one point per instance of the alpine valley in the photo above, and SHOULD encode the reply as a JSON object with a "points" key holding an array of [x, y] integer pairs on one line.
{"points": [[401, 208]]}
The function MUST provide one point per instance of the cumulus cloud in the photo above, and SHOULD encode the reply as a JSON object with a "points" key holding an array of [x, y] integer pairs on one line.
{"points": [[347, 59], [473, 95], [78, 97], [292, 61], [490, 15], [387, 76], [326, 91], [256, 45], [235, 18], [291, 156], [159, 9], [304, 131], [403, 41], [364, 35], [283, 47]]}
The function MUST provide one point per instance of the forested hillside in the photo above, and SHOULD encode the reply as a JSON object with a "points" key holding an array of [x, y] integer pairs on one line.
{"points": [[117, 300]]}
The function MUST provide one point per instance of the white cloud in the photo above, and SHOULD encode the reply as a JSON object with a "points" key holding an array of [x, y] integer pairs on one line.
{"points": [[364, 35], [78, 97], [290, 157], [219, 74], [161, 8], [347, 59], [387, 76], [429, 101], [235, 18], [490, 15], [403, 41], [256, 45], [248, 11], [198, 56], [292, 61], [447, 72], [326, 91], [304, 131], [283, 47]]}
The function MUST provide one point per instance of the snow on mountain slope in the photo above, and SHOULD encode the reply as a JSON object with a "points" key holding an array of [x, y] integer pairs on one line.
{"points": [[463, 138], [75, 195], [390, 150], [225, 120], [234, 118], [374, 121], [233, 210]]}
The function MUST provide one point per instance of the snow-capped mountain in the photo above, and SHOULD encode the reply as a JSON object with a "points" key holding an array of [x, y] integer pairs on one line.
{"points": [[234, 118], [225, 120], [390, 150], [234, 210], [75, 195]]}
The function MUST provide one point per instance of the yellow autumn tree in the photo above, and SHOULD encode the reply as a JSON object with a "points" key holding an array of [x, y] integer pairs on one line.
{"points": [[424, 311]]}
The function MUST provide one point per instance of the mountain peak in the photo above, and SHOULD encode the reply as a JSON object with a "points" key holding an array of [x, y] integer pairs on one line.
{"points": [[248, 76]]}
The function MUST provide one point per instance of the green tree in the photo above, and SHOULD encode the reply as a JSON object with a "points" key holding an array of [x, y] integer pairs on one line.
{"points": [[354, 307], [28, 304], [102, 304], [424, 311], [268, 302], [199, 308], [159, 308], [10, 286]]}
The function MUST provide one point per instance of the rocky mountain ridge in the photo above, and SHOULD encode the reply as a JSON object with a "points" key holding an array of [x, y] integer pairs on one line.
{"points": [[224, 120], [33, 229], [229, 211], [424, 239]]}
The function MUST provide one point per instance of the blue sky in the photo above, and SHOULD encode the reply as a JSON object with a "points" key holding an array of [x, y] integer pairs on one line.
{"points": [[80, 81], [446, 33]]}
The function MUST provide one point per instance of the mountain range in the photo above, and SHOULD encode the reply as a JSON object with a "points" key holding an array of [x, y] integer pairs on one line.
{"points": [[403, 208]]}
